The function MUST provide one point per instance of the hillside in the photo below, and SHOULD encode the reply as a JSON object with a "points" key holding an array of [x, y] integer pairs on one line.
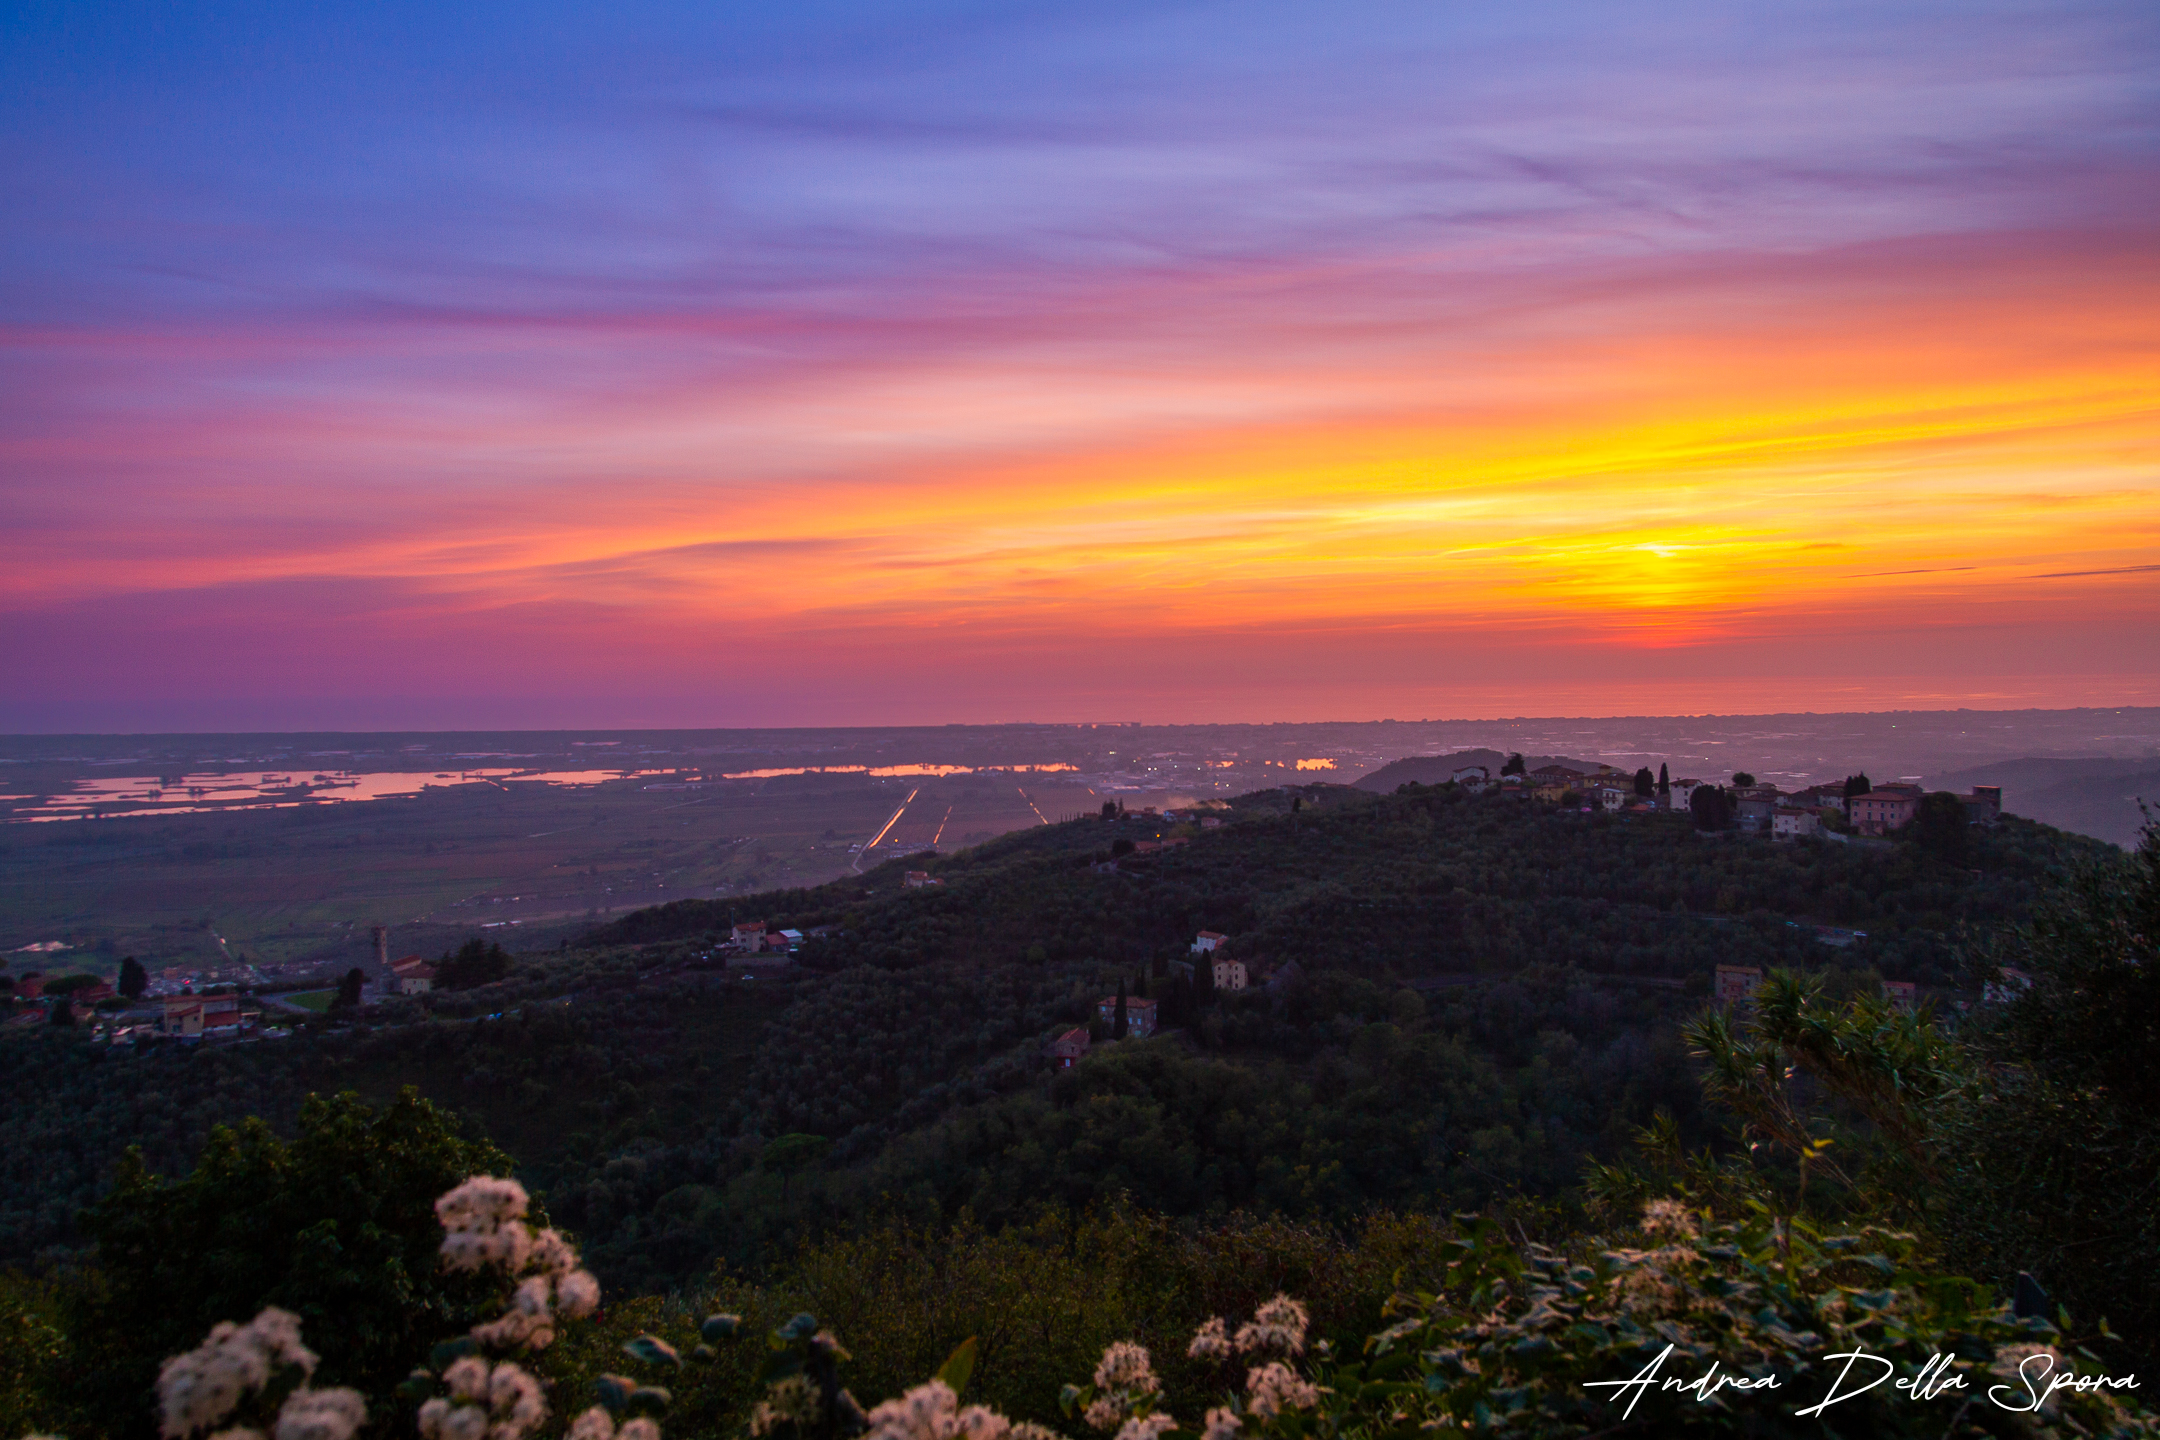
{"points": [[2101, 798], [1486, 991]]}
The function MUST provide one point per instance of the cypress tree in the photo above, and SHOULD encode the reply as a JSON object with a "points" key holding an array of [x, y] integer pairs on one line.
{"points": [[1118, 1022]]}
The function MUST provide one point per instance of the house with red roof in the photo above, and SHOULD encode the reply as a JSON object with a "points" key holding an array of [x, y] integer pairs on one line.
{"points": [[1069, 1048], [413, 975]]}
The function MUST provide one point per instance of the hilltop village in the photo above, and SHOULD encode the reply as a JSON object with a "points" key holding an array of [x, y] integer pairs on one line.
{"points": [[1855, 807]]}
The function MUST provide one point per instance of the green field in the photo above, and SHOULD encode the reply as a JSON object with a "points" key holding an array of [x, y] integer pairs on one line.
{"points": [[316, 1000]]}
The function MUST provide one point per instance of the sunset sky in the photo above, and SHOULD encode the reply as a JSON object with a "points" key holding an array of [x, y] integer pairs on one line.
{"points": [[401, 365]]}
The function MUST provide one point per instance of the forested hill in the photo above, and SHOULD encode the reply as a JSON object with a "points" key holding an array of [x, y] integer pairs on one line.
{"points": [[1427, 882], [1487, 991]]}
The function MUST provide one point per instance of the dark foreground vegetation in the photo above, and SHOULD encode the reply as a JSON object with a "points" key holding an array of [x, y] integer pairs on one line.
{"points": [[879, 1140]]}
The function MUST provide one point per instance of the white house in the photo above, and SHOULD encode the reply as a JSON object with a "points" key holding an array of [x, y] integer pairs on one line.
{"points": [[1206, 941], [1788, 822]]}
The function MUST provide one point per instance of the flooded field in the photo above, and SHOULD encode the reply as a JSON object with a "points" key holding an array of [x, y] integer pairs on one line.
{"points": [[210, 792]]}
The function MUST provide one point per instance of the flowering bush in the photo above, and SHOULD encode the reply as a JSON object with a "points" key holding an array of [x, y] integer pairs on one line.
{"points": [[259, 1369], [1749, 1327], [263, 1366], [1751, 1323]]}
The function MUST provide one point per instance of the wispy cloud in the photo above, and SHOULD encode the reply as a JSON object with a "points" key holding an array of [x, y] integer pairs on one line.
{"points": [[785, 337], [2117, 570]]}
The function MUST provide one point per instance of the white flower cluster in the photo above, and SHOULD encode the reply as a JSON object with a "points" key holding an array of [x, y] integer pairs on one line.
{"points": [[1210, 1342], [1278, 1325], [932, 1412], [1145, 1427], [484, 1224], [597, 1424], [787, 1402], [321, 1415], [1274, 1387], [201, 1388], [1670, 1217], [486, 1402], [1123, 1379], [2026, 1369], [1222, 1424], [1270, 1389]]}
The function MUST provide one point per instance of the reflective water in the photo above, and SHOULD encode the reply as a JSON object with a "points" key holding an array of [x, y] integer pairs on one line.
{"points": [[263, 790], [888, 770]]}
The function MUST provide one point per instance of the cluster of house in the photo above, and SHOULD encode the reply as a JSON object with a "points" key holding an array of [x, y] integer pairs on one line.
{"points": [[207, 1017], [1879, 811], [32, 987], [184, 1015], [1141, 1011], [752, 938], [1763, 809]]}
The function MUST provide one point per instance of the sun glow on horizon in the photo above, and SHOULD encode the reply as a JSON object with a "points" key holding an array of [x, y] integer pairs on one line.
{"points": [[1654, 409]]}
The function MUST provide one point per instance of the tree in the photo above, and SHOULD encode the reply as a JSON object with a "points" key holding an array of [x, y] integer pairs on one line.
{"points": [[1741, 777], [474, 963], [790, 1155], [1118, 1021], [1139, 986], [1645, 783], [62, 1013], [1203, 983], [1109, 809], [1514, 765], [2049, 1157], [348, 990], [1711, 807], [338, 1227], [133, 979], [1939, 826], [1857, 785]]}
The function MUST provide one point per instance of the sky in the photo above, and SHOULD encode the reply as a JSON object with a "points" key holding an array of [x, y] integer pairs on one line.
{"points": [[410, 365]]}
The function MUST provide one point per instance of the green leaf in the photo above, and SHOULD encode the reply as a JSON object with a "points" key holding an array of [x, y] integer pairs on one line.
{"points": [[648, 1400], [652, 1350], [440, 1358], [958, 1366]]}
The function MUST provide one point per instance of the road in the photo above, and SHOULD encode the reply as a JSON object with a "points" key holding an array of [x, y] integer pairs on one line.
{"points": [[864, 853]]}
